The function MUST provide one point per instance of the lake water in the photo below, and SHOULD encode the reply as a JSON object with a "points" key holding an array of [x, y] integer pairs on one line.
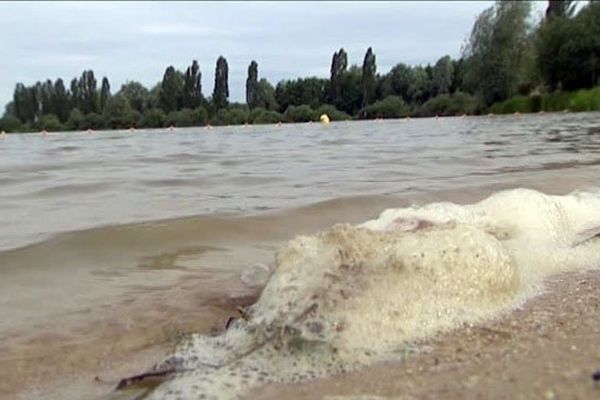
{"points": [[91, 222]]}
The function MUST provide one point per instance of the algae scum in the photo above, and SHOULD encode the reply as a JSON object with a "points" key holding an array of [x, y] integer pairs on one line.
{"points": [[355, 295]]}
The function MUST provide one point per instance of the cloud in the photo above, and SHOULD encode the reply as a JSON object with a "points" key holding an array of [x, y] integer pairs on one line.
{"points": [[179, 29], [138, 40]]}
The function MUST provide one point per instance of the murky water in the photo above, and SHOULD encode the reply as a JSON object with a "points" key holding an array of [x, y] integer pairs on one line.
{"points": [[91, 222]]}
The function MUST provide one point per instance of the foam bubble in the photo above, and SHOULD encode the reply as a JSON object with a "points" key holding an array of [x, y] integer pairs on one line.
{"points": [[353, 295]]}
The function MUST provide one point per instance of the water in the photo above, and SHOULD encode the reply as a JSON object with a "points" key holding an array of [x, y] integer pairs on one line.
{"points": [[138, 229], [77, 181]]}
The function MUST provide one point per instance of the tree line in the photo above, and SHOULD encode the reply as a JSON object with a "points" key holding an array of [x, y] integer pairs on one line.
{"points": [[507, 54]]}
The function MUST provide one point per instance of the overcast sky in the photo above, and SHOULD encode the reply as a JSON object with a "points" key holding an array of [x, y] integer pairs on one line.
{"points": [[138, 40]]}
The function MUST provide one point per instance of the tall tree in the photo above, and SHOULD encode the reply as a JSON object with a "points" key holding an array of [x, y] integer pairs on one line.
{"points": [[568, 49], [61, 100], [497, 50], [192, 86], [369, 69], [89, 95], [170, 93], [221, 90], [339, 63], [560, 9], [104, 93], [75, 94], [442, 75], [252, 85]]}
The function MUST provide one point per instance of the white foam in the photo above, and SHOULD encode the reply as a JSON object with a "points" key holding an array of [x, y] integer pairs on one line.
{"points": [[355, 294]]}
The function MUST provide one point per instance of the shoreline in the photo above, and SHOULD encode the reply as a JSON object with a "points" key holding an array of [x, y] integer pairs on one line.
{"points": [[171, 129], [546, 349]]}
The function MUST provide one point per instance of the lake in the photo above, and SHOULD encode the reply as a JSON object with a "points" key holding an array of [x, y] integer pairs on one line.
{"points": [[141, 230]]}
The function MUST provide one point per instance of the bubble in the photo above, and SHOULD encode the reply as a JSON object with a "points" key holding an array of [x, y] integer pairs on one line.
{"points": [[355, 295]]}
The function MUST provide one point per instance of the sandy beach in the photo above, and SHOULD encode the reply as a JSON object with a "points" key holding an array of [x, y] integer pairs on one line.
{"points": [[548, 349]]}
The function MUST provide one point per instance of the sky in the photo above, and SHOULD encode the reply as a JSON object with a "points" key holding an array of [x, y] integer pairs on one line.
{"points": [[138, 40]]}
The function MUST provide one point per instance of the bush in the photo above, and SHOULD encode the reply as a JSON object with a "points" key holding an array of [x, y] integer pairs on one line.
{"points": [[556, 101], [585, 100], [75, 121], [449, 104], [181, 118], [49, 122], [153, 118], [10, 124], [262, 116], [301, 113], [93, 121], [390, 107], [235, 116], [521, 104], [333, 113]]}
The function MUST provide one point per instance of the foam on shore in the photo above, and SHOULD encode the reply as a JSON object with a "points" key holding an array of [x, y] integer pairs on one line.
{"points": [[353, 295]]}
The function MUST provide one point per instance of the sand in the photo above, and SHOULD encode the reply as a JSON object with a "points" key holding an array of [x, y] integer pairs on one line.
{"points": [[548, 349]]}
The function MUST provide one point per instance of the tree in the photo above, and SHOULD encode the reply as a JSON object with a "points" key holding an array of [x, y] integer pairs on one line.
{"points": [[25, 103], [369, 70], [61, 101], [104, 93], [221, 90], [351, 94], [171, 88], [442, 75], [496, 50], [136, 94], [252, 86], [560, 9], [192, 86], [568, 49], [266, 96], [87, 90], [119, 114], [397, 82], [339, 63]]}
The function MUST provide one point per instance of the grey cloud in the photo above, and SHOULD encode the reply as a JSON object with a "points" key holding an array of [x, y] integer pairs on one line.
{"points": [[137, 41]]}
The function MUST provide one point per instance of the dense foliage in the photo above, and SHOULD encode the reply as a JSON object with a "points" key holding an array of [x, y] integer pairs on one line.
{"points": [[510, 63]]}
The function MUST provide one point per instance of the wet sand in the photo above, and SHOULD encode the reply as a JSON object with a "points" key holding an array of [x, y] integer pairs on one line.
{"points": [[85, 357], [548, 349]]}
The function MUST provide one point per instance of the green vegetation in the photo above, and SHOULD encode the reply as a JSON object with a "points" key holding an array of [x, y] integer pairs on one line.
{"points": [[510, 63], [580, 100]]}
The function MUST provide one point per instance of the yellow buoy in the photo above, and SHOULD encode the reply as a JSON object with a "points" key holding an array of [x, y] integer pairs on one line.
{"points": [[324, 119]]}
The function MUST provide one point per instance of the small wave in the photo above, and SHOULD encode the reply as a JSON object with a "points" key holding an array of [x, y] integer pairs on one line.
{"points": [[66, 190]]}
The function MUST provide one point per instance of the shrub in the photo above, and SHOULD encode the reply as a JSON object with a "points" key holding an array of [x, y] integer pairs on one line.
{"points": [[153, 118], [333, 113], [390, 107], [262, 116], [301, 113], [10, 124], [449, 104]]}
